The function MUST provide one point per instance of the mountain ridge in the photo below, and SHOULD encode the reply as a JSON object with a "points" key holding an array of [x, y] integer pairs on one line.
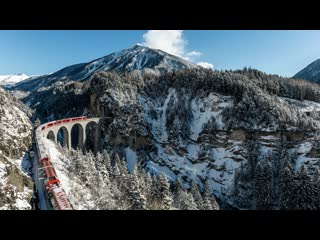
{"points": [[310, 73], [12, 78], [138, 58]]}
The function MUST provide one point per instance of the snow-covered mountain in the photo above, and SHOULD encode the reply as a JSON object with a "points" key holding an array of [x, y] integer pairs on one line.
{"points": [[310, 73], [199, 125], [136, 59], [12, 79], [16, 186]]}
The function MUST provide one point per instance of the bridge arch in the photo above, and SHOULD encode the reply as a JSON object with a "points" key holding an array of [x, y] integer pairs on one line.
{"points": [[76, 133], [51, 136], [63, 137], [77, 136]]}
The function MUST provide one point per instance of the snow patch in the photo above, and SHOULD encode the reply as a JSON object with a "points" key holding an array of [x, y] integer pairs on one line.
{"points": [[303, 106], [205, 109], [158, 126], [131, 158], [12, 79]]}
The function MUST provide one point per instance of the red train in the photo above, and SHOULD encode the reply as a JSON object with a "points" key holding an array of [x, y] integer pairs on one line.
{"points": [[55, 194]]}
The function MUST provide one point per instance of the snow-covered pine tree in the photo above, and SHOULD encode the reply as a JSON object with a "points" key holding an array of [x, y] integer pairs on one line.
{"points": [[101, 193], [185, 201], [147, 187], [164, 193], [182, 199], [91, 166], [194, 190], [123, 167], [135, 193], [269, 187], [107, 161], [253, 151], [101, 167], [209, 201], [153, 200], [142, 177], [263, 182], [304, 192], [116, 166], [176, 187], [285, 188]]}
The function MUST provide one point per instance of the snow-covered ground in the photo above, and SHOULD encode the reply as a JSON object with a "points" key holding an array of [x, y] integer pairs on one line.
{"points": [[17, 199], [69, 182], [303, 106], [158, 125], [205, 109]]}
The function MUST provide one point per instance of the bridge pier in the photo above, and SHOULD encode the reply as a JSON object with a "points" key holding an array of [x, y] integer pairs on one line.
{"points": [[69, 139], [84, 139]]}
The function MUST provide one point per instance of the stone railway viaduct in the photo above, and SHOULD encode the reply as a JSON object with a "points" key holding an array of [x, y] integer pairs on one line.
{"points": [[74, 132]]}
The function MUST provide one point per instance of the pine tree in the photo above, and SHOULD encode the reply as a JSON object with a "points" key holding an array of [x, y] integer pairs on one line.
{"points": [[285, 188], [107, 161], [263, 182], [116, 166], [194, 190], [182, 199], [304, 191], [285, 160], [154, 200], [209, 201], [101, 167], [185, 201], [123, 167], [103, 198], [176, 187], [164, 193], [135, 193], [253, 150], [147, 188]]}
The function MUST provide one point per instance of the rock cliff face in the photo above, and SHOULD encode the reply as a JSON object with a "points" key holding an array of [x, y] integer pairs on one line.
{"points": [[15, 139]]}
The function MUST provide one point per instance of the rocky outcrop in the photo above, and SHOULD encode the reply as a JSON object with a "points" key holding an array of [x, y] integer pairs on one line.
{"points": [[16, 186]]}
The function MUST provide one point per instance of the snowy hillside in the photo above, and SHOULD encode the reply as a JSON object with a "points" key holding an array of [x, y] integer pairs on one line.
{"points": [[137, 59], [197, 125], [15, 139], [99, 182], [303, 106], [12, 79]]}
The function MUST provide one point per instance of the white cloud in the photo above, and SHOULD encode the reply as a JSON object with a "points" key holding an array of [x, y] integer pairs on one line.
{"points": [[205, 65], [173, 42], [170, 41]]}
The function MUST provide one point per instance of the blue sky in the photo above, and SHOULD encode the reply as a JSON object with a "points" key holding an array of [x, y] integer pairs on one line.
{"points": [[280, 52]]}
